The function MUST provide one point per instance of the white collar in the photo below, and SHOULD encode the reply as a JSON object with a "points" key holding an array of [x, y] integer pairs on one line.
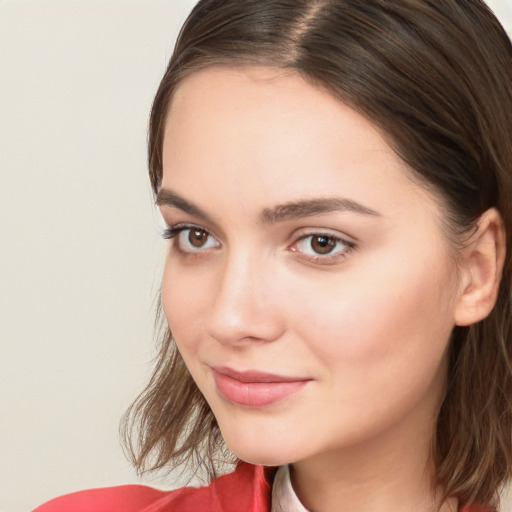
{"points": [[284, 498]]}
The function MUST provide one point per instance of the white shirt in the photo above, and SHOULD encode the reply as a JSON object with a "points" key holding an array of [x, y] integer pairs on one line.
{"points": [[284, 498]]}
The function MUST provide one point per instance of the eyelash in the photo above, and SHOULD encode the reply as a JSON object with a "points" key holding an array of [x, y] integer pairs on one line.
{"points": [[173, 232]]}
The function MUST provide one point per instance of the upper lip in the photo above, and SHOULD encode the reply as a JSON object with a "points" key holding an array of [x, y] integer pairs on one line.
{"points": [[255, 375]]}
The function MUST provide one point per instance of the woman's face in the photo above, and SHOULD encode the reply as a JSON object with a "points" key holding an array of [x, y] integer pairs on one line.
{"points": [[308, 284]]}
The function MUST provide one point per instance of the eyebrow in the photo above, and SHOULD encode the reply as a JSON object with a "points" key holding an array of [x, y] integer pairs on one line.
{"points": [[279, 213], [166, 197], [309, 207]]}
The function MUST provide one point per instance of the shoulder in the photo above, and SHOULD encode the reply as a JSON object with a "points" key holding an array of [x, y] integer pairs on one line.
{"points": [[247, 488], [129, 498]]}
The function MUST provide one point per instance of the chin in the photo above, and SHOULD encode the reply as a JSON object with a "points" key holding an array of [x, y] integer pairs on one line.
{"points": [[266, 450], [261, 458], [267, 436]]}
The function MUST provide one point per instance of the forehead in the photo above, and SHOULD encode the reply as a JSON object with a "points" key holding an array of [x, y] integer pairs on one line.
{"points": [[266, 136], [267, 112], [262, 99]]}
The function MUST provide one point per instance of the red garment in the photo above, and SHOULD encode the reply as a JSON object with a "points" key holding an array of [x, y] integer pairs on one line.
{"points": [[247, 489]]}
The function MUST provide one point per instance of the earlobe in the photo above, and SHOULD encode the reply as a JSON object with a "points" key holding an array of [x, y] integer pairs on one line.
{"points": [[481, 269]]}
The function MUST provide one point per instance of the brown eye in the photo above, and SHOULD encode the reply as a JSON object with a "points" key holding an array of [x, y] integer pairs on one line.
{"points": [[323, 247], [197, 237], [322, 244], [193, 239]]}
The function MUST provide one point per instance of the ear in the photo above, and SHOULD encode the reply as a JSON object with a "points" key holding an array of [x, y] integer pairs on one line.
{"points": [[481, 269]]}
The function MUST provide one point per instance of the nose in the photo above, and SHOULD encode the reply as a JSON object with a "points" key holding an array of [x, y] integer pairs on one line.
{"points": [[245, 307]]}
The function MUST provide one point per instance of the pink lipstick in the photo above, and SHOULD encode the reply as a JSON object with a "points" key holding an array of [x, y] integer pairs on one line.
{"points": [[253, 388]]}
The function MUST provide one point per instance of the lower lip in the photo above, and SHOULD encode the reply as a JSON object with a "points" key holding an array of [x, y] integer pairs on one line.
{"points": [[255, 394]]}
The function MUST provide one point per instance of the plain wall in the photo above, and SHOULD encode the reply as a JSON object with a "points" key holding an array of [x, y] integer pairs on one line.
{"points": [[79, 250], [80, 253]]}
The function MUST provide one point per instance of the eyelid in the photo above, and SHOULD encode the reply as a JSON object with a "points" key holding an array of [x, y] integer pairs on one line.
{"points": [[173, 230], [334, 233]]}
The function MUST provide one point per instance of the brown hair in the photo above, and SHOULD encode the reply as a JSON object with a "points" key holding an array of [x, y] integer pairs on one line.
{"points": [[435, 76]]}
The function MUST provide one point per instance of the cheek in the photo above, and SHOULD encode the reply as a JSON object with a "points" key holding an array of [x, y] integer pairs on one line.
{"points": [[183, 298], [390, 320]]}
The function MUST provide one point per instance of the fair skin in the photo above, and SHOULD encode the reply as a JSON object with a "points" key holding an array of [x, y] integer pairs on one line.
{"points": [[350, 296]]}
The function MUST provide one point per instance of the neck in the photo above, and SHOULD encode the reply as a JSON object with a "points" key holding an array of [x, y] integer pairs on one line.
{"points": [[388, 474]]}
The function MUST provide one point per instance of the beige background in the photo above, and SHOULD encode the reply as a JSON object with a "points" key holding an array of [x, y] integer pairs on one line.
{"points": [[79, 248]]}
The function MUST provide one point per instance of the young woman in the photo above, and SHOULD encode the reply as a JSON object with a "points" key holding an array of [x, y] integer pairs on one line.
{"points": [[336, 177]]}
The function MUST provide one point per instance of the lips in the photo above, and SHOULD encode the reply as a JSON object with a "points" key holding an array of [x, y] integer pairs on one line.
{"points": [[253, 388]]}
